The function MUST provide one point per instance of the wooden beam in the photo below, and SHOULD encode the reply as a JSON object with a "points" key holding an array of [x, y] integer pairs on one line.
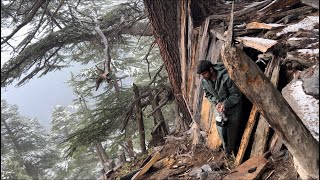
{"points": [[230, 29], [183, 45], [259, 145], [261, 92], [146, 167], [249, 170], [246, 135], [275, 144], [214, 141], [205, 114], [257, 25], [260, 44], [218, 35]]}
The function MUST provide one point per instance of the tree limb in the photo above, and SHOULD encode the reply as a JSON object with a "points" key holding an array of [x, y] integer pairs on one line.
{"points": [[29, 17]]}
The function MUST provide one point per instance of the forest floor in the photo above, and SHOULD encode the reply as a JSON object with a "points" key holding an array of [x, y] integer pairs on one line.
{"points": [[178, 162]]}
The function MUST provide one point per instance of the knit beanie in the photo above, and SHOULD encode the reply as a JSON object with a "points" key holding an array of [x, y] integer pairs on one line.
{"points": [[204, 65]]}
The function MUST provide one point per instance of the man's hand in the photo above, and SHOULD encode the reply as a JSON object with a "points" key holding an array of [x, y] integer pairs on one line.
{"points": [[220, 107]]}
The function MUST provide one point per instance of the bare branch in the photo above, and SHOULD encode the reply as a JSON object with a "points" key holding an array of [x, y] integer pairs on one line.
{"points": [[146, 57], [161, 104], [155, 76], [25, 42]]}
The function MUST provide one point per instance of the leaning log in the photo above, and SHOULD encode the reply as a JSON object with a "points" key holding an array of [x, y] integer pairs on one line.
{"points": [[270, 103]]}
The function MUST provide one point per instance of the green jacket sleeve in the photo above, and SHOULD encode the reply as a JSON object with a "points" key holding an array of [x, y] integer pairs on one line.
{"points": [[234, 94], [211, 97], [208, 95]]}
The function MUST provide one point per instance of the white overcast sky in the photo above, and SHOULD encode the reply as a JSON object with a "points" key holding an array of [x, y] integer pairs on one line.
{"points": [[39, 96]]}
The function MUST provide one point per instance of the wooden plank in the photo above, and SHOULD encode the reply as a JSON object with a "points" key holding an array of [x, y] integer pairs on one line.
{"points": [[193, 79], [199, 53], [246, 135], [275, 144], [204, 40], [261, 136], [257, 25], [205, 112], [214, 141], [146, 167], [230, 29], [182, 44], [218, 35], [259, 144], [259, 163], [260, 44], [192, 39]]}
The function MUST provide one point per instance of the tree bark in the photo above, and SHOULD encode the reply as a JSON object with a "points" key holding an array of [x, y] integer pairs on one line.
{"points": [[163, 17], [102, 156], [140, 120], [269, 101], [129, 146], [159, 117]]}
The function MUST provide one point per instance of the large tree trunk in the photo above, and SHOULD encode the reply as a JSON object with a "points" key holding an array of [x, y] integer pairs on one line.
{"points": [[163, 17], [269, 101]]}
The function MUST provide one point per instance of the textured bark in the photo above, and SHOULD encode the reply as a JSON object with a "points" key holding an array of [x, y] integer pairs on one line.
{"points": [[163, 17], [130, 150], [269, 101], [139, 118], [103, 157], [260, 140], [159, 118]]}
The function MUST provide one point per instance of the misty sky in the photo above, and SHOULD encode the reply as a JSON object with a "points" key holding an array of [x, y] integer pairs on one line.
{"points": [[37, 98]]}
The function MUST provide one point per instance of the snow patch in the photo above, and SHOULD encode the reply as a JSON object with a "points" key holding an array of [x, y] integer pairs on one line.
{"points": [[300, 39], [308, 107], [307, 23], [308, 51]]}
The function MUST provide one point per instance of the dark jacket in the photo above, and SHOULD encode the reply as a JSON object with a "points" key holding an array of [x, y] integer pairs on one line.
{"points": [[223, 90]]}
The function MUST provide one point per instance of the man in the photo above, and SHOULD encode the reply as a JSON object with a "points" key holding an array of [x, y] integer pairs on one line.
{"points": [[226, 98]]}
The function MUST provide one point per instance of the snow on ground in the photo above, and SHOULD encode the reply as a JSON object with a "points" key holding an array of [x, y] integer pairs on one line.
{"points": [[307, 23], [308, 51], [306, 106]]}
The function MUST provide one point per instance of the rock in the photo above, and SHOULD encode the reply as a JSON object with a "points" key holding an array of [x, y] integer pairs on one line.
{"points": [[204, 175], [206, 168], [215, 175], [310, 79], [217, 166], [195, 172]]}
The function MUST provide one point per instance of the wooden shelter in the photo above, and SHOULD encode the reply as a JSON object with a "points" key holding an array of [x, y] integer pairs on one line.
{"points": [[259, 34]]}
